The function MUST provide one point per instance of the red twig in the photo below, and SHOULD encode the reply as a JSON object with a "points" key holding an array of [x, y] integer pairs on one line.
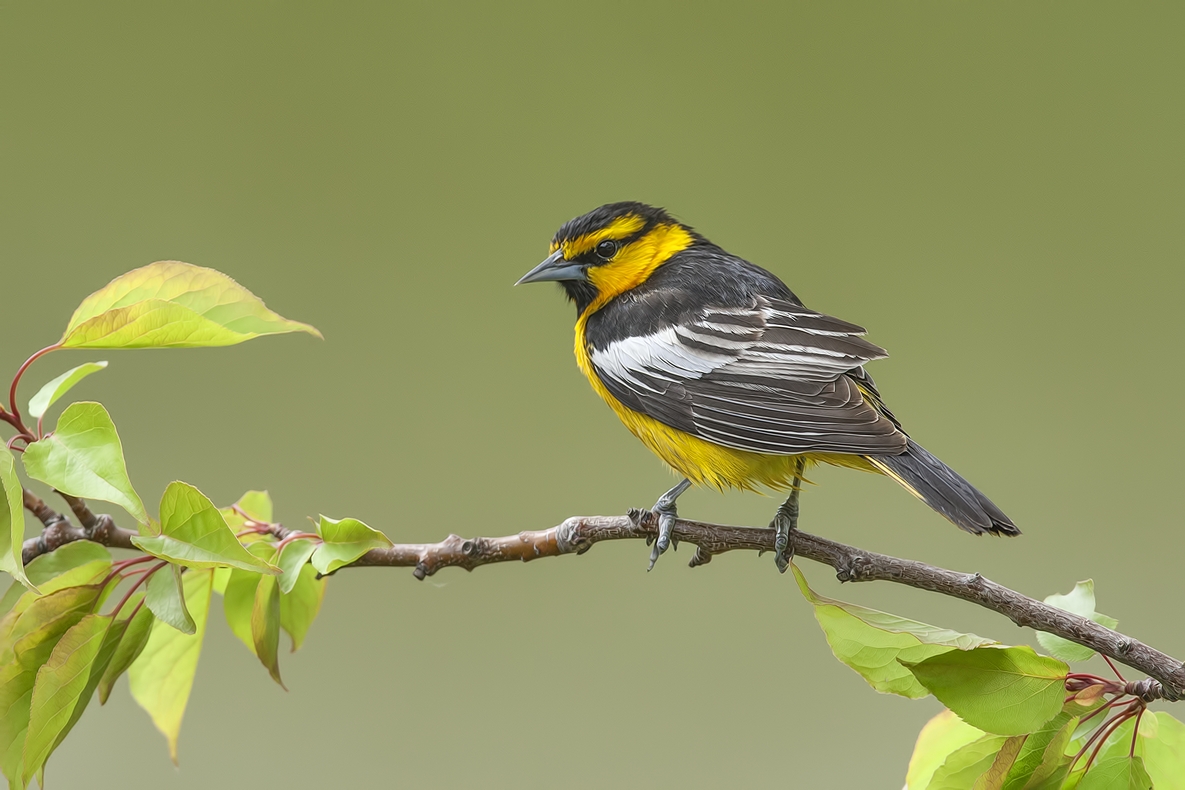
{"points": [[1136, 731], [297, 536], [1114, 668], [15, 413], [132, 589]]}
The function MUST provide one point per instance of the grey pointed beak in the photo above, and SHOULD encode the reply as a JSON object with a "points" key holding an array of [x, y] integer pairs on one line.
{"points": [[554, 269]]}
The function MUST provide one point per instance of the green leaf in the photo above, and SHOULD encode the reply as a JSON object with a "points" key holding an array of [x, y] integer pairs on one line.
{"points": [[1043, 754], [345, 541], [85, 574], [299, 608], [293, 557], [65, 558], [137, 629], [47, 566], [252, 606], [993, 778], [966, 765], [166, 598], [83, 457], [169, 304], [12, 520], [1079, 601], [941, 736], [162, 677], [33, 615], [29, 638], [1006, 691], [48, 395], [193, 533], [64, 684], [872, 642], [1117, 773], [221, 577], [238, 599], [1164, 754], [256, 504], [265, 626], [110, 643]]}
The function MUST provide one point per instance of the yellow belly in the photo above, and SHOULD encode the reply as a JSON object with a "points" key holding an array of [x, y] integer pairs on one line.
{"points": [[703, 462]]}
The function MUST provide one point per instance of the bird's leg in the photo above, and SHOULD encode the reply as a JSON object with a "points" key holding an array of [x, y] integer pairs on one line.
{"points": [[665, 509], [786, 519]]}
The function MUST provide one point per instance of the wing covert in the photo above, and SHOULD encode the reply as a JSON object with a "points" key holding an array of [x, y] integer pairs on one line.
{"points": [[767, 378]]}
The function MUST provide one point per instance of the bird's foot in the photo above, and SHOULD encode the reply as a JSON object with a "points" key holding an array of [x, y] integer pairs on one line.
{"points": [[666, 511], [784, 524], [666, 522]]}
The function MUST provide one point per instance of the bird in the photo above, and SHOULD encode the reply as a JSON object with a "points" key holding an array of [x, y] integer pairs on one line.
{"points": [[722, 371]]}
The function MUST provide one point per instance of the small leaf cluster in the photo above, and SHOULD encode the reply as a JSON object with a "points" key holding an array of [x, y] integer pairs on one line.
{"points": [[78, 619], [1015, 720]]}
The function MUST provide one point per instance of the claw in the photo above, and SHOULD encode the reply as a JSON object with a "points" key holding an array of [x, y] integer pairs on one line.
{"points": [[783, 546], [785, 521], [665, 509]]}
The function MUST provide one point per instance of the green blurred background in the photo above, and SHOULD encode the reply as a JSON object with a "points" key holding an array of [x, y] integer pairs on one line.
{"points": [[994, 189]]}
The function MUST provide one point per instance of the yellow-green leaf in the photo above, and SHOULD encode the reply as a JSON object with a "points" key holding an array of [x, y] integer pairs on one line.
{"points": [[84, 574], [1117, 773], [238, 597], [1079, 601], [993, 778], [65, 558], [194, 533], [345, 540], [135, 636], [1006, 691], [83, 457], [1043, 754], [12, 520], [162, 677], [265, 625], [29, 637], [873, 643], [48, 395], [299, 608], [110, 642], [293, 557], [256, 504], [942, 736], [1164, 754], [967, 765], [165, 597], [170, 304], [63, 685]]}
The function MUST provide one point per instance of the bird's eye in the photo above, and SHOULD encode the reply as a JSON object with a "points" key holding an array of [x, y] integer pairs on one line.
{"points": [[606, 250]]}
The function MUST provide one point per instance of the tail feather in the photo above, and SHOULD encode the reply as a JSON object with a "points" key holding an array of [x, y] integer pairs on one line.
{"points": [[943, 489]]}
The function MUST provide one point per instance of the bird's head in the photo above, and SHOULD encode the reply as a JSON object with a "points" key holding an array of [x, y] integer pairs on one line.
{"points": [[610, 250]]}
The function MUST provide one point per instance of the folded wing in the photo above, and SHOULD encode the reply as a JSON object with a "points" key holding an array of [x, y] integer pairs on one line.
{"points": [[771, 377]]}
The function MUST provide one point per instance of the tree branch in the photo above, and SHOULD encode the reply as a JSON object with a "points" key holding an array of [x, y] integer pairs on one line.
{"points": [[578, 534], [59, 531]]}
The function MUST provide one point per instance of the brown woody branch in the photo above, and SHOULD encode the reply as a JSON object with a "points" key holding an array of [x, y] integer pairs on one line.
{"points": [[578, 534], [59, 531]]}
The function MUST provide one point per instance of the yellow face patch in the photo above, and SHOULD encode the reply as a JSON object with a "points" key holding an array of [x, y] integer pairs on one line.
{"points": [[636, 261], [620, 228]]}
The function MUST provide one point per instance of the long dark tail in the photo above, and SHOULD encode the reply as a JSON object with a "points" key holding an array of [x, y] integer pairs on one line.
{"points": [[943, 489]]}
